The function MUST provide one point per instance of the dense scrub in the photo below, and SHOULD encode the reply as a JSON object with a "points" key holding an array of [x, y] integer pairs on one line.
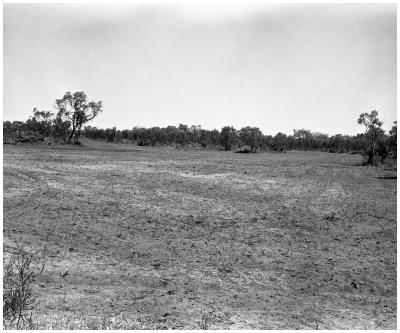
{"points": [[228, 138]]}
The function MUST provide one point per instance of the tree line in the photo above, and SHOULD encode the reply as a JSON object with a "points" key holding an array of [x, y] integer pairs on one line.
{"points": [[228, 138], [74, 111]]}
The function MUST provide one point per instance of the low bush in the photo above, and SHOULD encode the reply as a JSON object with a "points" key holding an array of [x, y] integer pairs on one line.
{"points": [[244, 150], [18, 299]]}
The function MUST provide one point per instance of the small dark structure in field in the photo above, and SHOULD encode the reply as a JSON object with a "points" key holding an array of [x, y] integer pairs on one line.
{"points": [[244, 150]]}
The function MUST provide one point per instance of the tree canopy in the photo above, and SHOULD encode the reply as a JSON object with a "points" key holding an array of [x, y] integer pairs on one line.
{"points": [[75, 108], [373, 132]]}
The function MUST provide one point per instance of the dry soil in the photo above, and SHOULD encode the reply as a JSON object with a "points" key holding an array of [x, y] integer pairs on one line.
{"points": [[141, 237]]}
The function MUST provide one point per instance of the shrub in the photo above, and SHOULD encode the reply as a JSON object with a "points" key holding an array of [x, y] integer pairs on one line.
{"points": [[244, 150], [18, 300], [77, 143]]}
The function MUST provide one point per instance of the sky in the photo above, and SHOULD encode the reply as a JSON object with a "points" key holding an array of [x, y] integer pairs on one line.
{"points": [[277, 67]]}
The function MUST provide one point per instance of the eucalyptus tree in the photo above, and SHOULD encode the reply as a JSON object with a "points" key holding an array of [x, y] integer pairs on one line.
{"points": [[75, 108], [228, 137], [251, 136], [373, 132]]}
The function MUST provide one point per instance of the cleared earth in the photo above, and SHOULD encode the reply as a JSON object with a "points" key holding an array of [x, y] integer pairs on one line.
{"points": [[135, 237]]}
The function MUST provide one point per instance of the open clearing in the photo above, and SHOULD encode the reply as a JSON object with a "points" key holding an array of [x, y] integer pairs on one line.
{"points": [[147, 237]]}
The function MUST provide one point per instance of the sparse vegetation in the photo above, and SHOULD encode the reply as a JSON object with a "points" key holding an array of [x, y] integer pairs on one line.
{"points": [[205, 318]]}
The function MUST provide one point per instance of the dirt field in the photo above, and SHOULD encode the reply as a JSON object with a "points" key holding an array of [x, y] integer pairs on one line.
{"points": [[147, 237]]}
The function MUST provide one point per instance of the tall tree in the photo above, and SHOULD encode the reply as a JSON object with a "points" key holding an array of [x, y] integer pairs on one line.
{"points": [[228, 137], [214, 137], [75, 108], [373, 131], [303, 136], [280, 142], [251, 136], [182, 135]]}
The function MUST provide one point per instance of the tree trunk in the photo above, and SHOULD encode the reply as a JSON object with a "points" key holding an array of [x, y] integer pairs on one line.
{"points": [[370, 157], [71, 135], [77, 135], [373, 145]]}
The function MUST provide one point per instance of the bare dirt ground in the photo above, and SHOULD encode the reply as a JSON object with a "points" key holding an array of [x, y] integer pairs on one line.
{"points": [[135, 237]]}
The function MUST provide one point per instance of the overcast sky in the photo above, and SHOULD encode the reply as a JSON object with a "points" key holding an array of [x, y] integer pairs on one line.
{"points": [[277, 67]]}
